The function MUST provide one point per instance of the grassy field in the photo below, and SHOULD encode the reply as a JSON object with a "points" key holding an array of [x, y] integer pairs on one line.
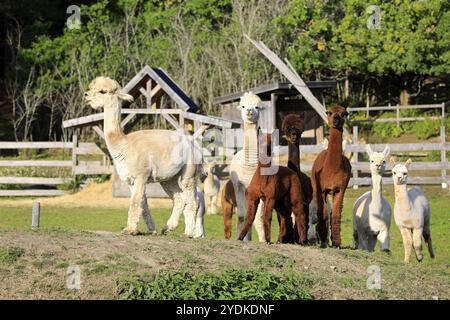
{"points": [[68, 222]]}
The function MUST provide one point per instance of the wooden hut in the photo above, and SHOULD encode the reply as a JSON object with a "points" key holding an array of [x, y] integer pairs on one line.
{"points": [[280, 99]]}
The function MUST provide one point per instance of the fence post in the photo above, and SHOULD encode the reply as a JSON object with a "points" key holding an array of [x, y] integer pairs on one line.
{"points": [[398, 116], [35, 215], [443, 111], [355, 156], [74, 152], [443, 159]]}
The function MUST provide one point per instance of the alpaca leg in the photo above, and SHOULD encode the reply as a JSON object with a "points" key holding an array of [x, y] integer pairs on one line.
{"points": [[268, 207], [189, 197], [371, 242], [338, 199], [258, 223], [427, 238], [407, 242], [199, 220], [322, 219], [227, 215], [383, 237], [177, 210], [135, 211], [241, 209], [213, 204], [251, 213], [282, 222], [148, 216], [417, 241]]}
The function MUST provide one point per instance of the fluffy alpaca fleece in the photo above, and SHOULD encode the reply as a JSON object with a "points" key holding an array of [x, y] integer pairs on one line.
{"points": [[211, 187], [411, 212], [228, 201], [244, 163], [330, 176], [168, 157], [293, 126], [371, 211], [280, 190]]}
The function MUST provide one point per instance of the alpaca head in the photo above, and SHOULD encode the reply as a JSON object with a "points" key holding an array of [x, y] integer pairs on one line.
{"points": [[400, 171], [293, 127], [250, 106], [336, 117], [209, 167], [377, 159], [103, 92]]}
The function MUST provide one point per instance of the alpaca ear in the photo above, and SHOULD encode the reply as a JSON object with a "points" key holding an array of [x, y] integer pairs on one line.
{"points": [[125, 96], [368, 149], [407, 163], [386, 151], [392, 161]]}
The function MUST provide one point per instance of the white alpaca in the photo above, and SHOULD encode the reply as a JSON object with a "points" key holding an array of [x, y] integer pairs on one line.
{"points": [[244, 163], [211, 186], [411, 212], [168, 157], [372, 212], [199, 223]]}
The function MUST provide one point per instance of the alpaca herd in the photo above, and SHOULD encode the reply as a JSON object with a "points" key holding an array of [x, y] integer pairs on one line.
{"points": [[257, 186]]}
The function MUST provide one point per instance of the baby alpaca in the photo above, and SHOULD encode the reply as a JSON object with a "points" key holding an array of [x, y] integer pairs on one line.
{"points": [[280, 189], [211, 187], [372, 212], [228, 201], [411, 212]]}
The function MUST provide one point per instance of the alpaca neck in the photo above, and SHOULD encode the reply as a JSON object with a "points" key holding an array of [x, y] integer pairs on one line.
{"points": [[294, 156], [111, 124], [210, 178], [401, 197], [250, 144], [376, 187], [334, 154]]}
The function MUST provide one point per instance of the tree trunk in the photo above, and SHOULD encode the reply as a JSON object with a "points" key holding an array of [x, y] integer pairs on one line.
{"points": [[404, 97]]}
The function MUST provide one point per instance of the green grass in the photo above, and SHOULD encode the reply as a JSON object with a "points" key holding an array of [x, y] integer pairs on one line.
{"points": [[114, 219], [10, 254], [229, 284]]}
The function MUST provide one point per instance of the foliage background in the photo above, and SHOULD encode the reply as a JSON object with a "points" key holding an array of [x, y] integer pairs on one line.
{"points": [[200, 44]]}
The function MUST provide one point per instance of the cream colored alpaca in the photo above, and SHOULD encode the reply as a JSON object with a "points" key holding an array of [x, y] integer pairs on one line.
{"points": [[372, 212], [211, 186], [411, 212], [244, 163], [143, 156]]}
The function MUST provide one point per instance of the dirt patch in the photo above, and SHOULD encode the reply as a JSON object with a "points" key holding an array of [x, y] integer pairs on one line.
{"points": [[105, 257]]}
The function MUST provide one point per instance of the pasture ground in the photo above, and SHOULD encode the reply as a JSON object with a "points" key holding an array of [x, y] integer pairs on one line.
{"points": [[84, 229]]}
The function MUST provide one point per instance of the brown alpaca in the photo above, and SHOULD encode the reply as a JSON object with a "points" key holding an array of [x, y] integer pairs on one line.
{"points": [[279, 189], [228, 200], [330, 175], [293, 127]]}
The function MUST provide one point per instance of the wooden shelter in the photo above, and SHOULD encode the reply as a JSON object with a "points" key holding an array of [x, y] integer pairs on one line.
{"points": [[281, 98]]}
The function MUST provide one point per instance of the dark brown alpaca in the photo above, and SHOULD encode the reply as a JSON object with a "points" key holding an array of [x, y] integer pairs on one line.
{"points": [[293, 127], [279, 189], [330, 175], [228, 200]]}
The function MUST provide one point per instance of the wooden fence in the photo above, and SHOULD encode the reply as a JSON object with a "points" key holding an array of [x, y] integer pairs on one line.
{"points": [[397, 108], [404, 148], [77, 167], [103, 167]]}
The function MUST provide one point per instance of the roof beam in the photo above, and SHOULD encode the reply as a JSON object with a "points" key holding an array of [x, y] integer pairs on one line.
{"points": [[289, 72]]}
